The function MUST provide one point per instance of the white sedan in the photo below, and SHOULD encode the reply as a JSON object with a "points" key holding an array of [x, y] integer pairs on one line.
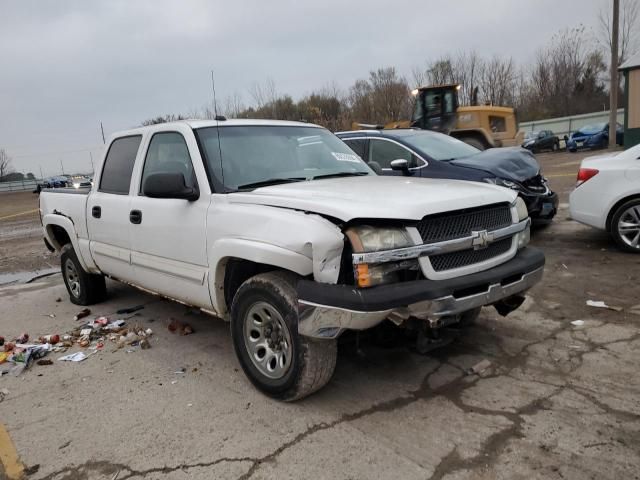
{"points": [[607, 196]]}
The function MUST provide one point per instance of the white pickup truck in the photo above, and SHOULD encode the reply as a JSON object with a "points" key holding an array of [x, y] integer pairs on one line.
{"points": [[279, 228]]}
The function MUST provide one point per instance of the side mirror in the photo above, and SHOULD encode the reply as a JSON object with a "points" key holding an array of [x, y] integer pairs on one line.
{"points": [[375, 166], [169, 185], [400, 165]]}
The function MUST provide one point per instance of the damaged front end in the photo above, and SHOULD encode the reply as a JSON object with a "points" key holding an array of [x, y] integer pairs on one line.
{"points": [[433, 271]]}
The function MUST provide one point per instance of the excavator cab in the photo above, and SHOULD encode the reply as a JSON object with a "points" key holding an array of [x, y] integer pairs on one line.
{"points": [[435, 107]]}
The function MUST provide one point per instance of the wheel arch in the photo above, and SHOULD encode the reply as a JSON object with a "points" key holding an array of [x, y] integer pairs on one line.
{"points": [[60, 231], [236, 260]]}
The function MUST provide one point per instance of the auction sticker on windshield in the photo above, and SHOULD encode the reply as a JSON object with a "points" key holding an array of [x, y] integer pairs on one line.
{"points": [[346, 157]]}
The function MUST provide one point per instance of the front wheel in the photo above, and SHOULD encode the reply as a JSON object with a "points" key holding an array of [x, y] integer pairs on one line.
{"points": [[84, 288], [625, 226], [264, 328]]}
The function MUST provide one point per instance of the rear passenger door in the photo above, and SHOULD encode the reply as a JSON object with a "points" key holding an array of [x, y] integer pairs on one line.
{"points": [[168, 236], [108, 209]]}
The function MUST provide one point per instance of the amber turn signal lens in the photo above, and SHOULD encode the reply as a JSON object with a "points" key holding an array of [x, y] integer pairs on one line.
{"points": [[362, 275]]}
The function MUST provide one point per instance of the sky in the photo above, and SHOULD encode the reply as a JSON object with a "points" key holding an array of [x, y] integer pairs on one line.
{"points": [[66, 66]]}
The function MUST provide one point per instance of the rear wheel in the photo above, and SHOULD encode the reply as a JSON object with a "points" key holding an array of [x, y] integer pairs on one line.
{"points": [[625, 226], [84, 288], [474, 142], [264, 327], [555, 146]]}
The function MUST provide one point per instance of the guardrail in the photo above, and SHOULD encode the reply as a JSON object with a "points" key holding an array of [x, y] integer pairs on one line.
{"points": [[562, 126], [19, 185]]}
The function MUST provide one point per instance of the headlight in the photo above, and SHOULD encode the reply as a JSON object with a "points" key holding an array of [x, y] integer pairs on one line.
{"points": [[76, 185], [366, 238], [524, 236], [521, 208], [501, 182]]}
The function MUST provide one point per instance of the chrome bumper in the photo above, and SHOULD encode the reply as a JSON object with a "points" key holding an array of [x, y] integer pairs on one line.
{"points": [[325, 321]]}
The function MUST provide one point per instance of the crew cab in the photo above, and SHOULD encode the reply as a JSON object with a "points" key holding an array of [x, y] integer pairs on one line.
{"points": [[281, 229]]}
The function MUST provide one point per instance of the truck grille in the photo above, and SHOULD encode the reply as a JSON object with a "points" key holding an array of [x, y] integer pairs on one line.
{"points": [[448, 261], [447, 226]]}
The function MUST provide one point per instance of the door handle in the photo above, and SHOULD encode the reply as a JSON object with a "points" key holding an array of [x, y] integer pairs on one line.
{"points": [[135, 216], [96, 212]]}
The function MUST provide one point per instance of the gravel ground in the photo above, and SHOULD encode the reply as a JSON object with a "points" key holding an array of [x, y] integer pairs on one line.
{"points": [[557, 401]]}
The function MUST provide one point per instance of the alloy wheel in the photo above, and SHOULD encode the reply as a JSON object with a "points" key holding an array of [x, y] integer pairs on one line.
{"points": [[73, 280], [629, 226]]}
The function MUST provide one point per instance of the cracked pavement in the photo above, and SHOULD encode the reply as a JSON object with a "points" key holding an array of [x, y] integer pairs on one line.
{"points": [[558, 400]]}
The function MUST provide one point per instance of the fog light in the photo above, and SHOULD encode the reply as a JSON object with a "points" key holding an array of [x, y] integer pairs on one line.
{"points": [[524, 237]]}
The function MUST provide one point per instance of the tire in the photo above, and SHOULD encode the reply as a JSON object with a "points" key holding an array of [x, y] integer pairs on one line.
{"points": [[84, 288], [627, 236], [555, 147], [474, 142], [265, 307]]}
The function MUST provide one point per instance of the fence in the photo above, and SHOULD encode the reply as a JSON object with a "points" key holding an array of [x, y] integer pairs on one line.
{"points": [[562, 126], [20, 185]]}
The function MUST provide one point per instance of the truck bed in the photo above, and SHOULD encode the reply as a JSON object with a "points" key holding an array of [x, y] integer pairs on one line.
{"points": [[68, 202]]}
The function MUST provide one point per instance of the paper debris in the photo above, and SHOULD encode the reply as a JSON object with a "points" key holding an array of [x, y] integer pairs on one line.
{"points": [[601, 304]]}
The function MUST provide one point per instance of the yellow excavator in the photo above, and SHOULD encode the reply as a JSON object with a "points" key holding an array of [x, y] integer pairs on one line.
{"points": [[436, 107]]}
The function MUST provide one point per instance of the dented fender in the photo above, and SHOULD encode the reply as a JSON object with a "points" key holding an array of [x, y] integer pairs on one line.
{"points": [[305, 243]]}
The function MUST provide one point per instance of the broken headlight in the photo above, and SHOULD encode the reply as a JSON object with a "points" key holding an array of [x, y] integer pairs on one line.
{"points": [[367, 238]]}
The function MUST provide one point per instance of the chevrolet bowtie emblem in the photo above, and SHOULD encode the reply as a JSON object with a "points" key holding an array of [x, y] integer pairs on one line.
{"points": [[481, 239]]}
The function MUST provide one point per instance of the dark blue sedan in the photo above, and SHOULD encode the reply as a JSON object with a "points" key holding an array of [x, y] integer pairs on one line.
{"points": [[423, 153], [593, 136]]}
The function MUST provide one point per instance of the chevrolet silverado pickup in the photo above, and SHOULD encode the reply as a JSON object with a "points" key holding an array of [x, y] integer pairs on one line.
{"points": [[281, 229]]}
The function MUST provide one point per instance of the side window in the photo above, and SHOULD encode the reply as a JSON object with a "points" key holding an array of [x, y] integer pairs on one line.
{"points": [[118, 165], [168, 153], [384, 152], [357, 146], [498, 124]]}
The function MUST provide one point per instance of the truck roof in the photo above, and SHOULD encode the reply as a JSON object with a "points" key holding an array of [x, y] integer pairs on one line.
{"points": [[195, 123]]}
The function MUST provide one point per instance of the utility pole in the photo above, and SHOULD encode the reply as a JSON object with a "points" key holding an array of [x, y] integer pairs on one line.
{"points": [[41, 175], [62, 166], [613, 86], [102, 130]]}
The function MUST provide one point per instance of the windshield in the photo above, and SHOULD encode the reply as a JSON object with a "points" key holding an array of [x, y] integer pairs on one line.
{"points": [[591, 129], [439, 146], [248, 156], [531, 135]]}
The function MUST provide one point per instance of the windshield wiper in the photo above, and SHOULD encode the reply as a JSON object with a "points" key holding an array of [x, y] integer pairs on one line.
{"points": [[341, 174], [271, 181]]}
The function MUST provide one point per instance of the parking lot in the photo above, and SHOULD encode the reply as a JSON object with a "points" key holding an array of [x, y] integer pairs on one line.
{"points": [[556, 400]]}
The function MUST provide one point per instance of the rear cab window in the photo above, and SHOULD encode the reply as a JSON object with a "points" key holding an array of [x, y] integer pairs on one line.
{"points": [[118, 165]]}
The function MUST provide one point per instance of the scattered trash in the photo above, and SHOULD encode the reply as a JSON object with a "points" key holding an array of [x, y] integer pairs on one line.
{"points": [[52, 339], [82, 313], [50, 315], [44, 361], [123, 311], [1, 341], [578, 323], [74, 357], [9, 346], [58, 300], [181, 370], [144, 344], [86, 331], [601, 304], [479, 367], [24, 338], [565, 267], [3, 393], [173, 382], [189, 404], [3, 357]]}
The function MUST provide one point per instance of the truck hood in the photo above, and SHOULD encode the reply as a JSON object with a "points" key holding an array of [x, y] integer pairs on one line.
{"points": [[376, 197], [512, 163]]}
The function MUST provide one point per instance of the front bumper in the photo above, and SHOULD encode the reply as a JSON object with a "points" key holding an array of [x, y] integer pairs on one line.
{"points": [[540, 206], [326, 310]]}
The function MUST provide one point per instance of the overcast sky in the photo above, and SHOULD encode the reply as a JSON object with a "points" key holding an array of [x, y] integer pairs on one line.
{"points": [[67, 65]]}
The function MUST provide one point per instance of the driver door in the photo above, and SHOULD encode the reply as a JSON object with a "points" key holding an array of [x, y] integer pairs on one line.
{"points": [[168, 235]]}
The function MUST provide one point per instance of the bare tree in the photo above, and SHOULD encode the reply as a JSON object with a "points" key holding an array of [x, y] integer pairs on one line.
{"points": [[629, 31], [5, 163], [497, 81], [264, 94]]}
